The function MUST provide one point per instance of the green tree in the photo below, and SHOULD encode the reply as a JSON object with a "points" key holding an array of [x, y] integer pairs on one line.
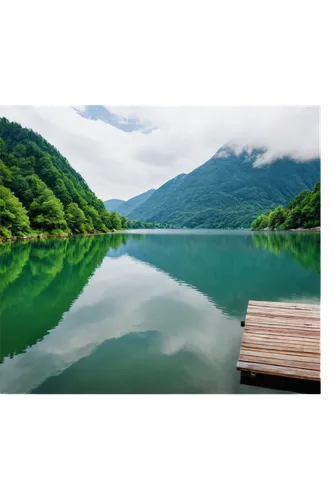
{"points": [[27, 166], [107, 220], [61, 192], [315, 206], [19, 184], [276, 217], [5, 174], [14, 220], [97, 221], [261, 222], [294, 218], [75, 218], [124, 222], [3, 148], [46, 212], [20, 150], [115, 221]]}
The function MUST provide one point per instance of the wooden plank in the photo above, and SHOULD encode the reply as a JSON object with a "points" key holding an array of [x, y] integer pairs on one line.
{"points": [[284, 305], [278, 330], [281, 338], [283, 312], [283, 324], [284, 333], [283, 347], [274, 314], [278, 350], [279, 370], [281, 317], [272, 334], [282, 320], [280, 362], [276, 355], [286, 309], [273, 331], [284, 327]]}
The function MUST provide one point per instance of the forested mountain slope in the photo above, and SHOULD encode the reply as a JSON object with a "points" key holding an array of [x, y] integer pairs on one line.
{"points": [[227, 191], [40, 192]]}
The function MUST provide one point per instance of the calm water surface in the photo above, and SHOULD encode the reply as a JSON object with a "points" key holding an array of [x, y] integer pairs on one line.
{"points": [[142, 311]]}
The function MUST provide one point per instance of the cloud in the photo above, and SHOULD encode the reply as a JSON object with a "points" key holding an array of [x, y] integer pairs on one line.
{"points": [[121, 164], [155, 157]]}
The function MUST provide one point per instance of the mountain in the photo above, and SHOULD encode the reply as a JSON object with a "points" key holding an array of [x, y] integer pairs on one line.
{"points": [[125, 207], [40, 192], [112, 205], [227, 191], [133, 203]]}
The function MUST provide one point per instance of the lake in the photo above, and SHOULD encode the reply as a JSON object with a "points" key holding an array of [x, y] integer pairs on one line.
{"points": [[155, 311]]}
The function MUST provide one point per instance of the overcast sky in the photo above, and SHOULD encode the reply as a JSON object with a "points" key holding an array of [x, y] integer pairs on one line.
{"points": [[140, 148]]}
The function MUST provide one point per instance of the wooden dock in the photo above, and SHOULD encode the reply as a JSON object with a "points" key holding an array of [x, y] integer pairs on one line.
{"points": [[281, 339]]}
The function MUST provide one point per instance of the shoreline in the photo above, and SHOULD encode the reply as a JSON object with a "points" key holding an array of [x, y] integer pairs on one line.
{"points": [[298, 230], [72, 235], [45, 236]]}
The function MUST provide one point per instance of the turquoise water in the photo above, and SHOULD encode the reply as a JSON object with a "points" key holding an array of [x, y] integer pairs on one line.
{"points": [[143, 311]]}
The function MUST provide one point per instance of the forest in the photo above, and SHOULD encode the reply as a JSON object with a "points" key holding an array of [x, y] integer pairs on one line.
{"points": [[302, 212], [40, 193]]}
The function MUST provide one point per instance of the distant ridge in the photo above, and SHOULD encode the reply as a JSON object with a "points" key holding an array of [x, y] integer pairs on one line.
{"points": [[112, 205], [125, 207]]}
